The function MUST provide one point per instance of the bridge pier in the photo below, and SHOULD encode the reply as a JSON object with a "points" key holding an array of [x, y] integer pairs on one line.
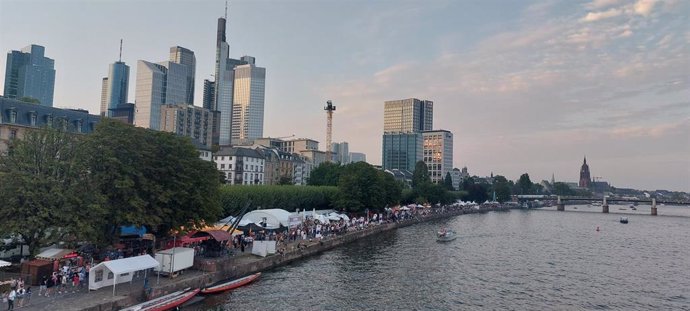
{"points": [[559, 205], [653, 207], [605, 207]]}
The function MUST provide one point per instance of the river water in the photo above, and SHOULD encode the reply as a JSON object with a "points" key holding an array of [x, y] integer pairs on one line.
{"points": [[516, 260]]}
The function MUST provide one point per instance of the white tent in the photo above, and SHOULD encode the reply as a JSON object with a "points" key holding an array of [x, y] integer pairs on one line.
{"points": [[118, 271], [230, 220], [274, 218], [4, 263]]}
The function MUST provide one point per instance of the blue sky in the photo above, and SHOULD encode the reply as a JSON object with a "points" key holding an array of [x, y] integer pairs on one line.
{"points": [[524, 86]]}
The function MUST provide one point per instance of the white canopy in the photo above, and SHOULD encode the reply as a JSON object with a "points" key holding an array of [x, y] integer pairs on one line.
{"points": [[54, 253], [274, 218], [230, 219], [118, 271], [4, 263]]}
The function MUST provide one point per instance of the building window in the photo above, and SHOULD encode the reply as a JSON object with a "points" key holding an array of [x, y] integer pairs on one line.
{"points": [[13, 134], [33, 119], [222, 166], [13, 116]]}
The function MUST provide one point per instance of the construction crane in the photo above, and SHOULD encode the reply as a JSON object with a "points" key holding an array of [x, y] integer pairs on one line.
{"points": [[329, 129]]}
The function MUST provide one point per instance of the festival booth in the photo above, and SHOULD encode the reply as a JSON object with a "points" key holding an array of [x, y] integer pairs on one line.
{"points": [[213, 241], [114, 272], [59, 256], [36, 269], [269, 218]]}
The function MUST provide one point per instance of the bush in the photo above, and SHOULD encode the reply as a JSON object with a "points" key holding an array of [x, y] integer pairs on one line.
{"points": [[290, 198]]}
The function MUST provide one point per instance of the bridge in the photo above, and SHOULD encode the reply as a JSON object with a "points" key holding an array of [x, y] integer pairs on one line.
{"points": [[560, 205]]}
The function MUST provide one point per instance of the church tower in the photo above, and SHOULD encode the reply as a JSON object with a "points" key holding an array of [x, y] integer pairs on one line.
{"points": [[585, 180]]}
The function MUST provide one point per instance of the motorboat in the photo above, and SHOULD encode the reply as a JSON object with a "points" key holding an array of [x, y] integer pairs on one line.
{"points": [[446, 235], [166, 302], [230, 285], [624, 220]]}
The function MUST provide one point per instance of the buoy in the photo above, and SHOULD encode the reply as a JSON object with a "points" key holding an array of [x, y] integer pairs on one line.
{"points": [[597, 228]]}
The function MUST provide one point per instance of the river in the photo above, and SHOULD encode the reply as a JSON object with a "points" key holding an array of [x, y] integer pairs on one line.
{"points": [[517, 260]]}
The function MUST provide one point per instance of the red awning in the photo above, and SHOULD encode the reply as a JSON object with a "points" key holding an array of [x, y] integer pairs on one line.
{"points": [[219, 235]]}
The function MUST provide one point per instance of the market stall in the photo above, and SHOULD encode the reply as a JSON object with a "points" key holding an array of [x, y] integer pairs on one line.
{"points": [[118, 271]]}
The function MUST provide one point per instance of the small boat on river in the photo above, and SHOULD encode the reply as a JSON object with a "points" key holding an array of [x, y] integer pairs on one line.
{"points": [[445, 235], [166, 302], [230, 285], [624, 220]]}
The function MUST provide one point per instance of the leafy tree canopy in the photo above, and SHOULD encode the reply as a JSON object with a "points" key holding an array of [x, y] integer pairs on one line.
{"points": [[326, 174], [420, 176]]}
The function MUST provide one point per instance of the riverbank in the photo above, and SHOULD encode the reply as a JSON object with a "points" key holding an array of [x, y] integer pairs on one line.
{"points": [[207, 271]]}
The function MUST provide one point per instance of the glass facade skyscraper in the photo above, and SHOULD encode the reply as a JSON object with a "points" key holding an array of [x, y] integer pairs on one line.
{"points": [[401, 150], [28, 73], [118, 85], [403, 123]]}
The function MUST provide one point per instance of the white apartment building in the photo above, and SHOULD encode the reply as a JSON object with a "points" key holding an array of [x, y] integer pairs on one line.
{"points": [[241, 166]]}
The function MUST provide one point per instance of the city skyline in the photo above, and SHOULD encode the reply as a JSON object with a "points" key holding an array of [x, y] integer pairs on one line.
{"points": [[524, 87]]}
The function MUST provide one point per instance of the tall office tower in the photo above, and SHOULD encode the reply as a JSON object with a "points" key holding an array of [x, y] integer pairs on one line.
{"points": [[104, 97], [188, 120], [248, 102], [438, 153], [408, 115], [209, 94], [402, 150], [162, 83], [29, 73], [118, 85], [357, 157], [341, 152], [403, 122], [183, 56]]}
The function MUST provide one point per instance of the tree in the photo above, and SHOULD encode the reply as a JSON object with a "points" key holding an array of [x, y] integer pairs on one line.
{"points": [[42, 190], [420, 176], [360, 188], [150, 178], [285, 181], [560, 188], [525, 184], [326, 174], [392, 189], [448, 182], [501, 187]]}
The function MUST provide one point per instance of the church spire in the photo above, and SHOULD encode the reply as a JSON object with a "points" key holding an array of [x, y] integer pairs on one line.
{"points": [[585, 159]]}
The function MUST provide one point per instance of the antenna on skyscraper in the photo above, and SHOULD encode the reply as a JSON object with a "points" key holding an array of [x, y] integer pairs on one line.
{"points": [[120, 50], [226, 10]]}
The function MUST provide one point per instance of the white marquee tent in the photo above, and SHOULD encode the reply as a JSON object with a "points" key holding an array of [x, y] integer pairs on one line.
{"points": [[274, 218], [4, 263], [118, 271]]}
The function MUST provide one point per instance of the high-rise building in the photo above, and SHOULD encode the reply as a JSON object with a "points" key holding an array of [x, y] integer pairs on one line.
{"points": [[188, 120], [104, 97], [116, 87], [408, 115], [162, 83], [248, 102], [438, 153], [341, 152], [357, 157], [403, 123], [237, 93], [29, 73], [183, 56], [402, 150]]}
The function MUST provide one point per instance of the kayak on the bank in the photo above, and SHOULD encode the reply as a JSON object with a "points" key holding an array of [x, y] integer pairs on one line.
{"points": [[229, 285]]}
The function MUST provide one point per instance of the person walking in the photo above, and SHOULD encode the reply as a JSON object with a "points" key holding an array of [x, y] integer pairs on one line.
{"points": [[10, 299], [43, 289]]}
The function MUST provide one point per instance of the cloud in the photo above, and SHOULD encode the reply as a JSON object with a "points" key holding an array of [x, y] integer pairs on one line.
{"points": [[654, 131], [600, 4], [596, 16], [644, 7]]}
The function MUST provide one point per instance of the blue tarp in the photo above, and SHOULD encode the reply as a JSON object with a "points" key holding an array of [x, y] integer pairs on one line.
{"points": [[132, 230]]}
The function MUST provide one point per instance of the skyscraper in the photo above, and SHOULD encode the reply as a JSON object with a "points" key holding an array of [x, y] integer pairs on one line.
{"points": [[403, 123], [104, 97], [438, 153], [117, 85], [408, 115], [162, 83], [29, 73], [237, 94], [341, 152], [185, 57], [248, 102]]}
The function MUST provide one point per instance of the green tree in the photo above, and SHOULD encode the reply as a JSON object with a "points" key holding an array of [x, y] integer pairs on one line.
{"points": [[326, 174], [43, 190], [360, 188], [285, 181], [392, 189], [525, 184], [502, 188], [420, 176], [150, 178], [448, 182], [560, 188]]}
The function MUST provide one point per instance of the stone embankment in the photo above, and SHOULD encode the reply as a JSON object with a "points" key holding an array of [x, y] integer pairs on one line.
{"points": [[209, 271]]}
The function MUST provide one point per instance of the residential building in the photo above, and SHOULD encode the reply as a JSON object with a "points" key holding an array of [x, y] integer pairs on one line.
{"points": [[241, 166], [402, 150], [357, 157], [287, 165], [438, 153], [408, 115], [315, 157], [162, 83], [271, 164], [190, 121], [18, 117], [28, 73], [458, 176], [341, 152]]}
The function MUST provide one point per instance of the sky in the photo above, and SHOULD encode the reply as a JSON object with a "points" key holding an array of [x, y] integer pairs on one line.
{"points": [[525, 87]]}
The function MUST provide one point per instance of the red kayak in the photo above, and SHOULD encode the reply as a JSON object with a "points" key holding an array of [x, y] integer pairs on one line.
{"points": [[166, 302], [231, 284]]}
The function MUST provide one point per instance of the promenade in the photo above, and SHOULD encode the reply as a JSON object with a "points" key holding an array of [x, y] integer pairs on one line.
{"points": [[207, 271]]}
